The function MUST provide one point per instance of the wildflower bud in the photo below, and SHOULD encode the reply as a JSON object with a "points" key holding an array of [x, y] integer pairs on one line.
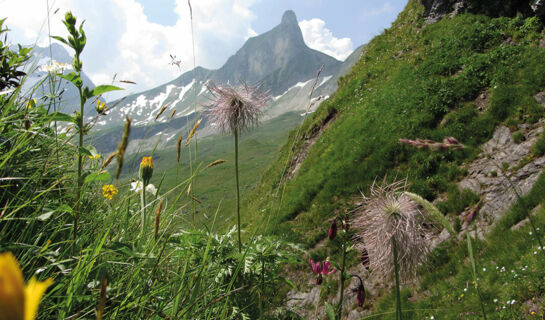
{"points": [[101, 107], [69, 18], [360, 297], [79, 119], [319, 279], [146, 170], [365, 258], [333, 230]]}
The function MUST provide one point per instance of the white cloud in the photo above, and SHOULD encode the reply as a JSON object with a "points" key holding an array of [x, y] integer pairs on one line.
{"points": [[122, 41], [318, 37]]}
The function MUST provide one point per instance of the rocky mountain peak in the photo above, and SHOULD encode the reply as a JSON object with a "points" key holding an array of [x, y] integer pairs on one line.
{"points": [[289, 18], [289, 27]]}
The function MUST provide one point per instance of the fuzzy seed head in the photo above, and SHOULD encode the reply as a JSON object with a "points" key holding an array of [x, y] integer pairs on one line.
{"points": [[387, 216], [236, 108]]}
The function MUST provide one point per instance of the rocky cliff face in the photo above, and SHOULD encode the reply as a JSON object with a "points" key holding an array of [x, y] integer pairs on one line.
{"points": [[436, 9]]}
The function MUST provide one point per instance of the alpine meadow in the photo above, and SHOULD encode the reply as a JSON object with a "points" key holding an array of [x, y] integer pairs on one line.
{"points": [[402, 179]]}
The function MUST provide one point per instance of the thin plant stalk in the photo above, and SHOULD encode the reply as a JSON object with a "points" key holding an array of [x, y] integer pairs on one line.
{"points": [[340, 308], [399, 315], [143, 213], [80, 162], [474, 273], [238, 189]]}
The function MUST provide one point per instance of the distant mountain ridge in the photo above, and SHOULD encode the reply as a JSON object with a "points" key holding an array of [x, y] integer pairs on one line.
{"points": [[278, 60], [67, 94]]}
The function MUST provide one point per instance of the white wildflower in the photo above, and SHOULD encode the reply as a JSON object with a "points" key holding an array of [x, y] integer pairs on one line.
{"points": [[136, 186], [55, 67]]}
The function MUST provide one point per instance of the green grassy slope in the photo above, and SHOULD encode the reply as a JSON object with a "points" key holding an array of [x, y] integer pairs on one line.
{"points": [[413, 81], [257, 150]]}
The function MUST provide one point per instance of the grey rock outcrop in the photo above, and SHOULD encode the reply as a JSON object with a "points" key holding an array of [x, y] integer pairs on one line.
{"points": [[498, 172], [436, 9]]}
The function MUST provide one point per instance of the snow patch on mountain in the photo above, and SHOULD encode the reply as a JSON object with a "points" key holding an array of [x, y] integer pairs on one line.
{"points": [[297, 85]]}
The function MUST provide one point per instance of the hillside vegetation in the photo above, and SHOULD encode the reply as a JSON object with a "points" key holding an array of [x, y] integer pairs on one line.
{"points": [[413, 81], [462, 77], [158, 244]]}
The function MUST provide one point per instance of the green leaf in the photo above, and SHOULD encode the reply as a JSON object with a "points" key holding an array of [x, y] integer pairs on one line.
{"points": [[64, 208], [330, 311], [290, 283], [84, 151], [45, 216], [104, 88], [470, 250], [98, 176], [122, 248], [61, 39], [59, 116], [433, 211], [87, 93], [72, 77], [93, 150]]}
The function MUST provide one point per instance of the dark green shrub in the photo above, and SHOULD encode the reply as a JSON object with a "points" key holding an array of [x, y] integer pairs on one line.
{"points": [[518, 136], [457, 200], [539, 148], [504, 101]]}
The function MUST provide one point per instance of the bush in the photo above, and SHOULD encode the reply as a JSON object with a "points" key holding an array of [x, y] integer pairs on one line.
{"points": [[505, 99], [539, 148]]}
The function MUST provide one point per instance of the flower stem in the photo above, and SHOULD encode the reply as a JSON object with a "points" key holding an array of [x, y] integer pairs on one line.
{"points": [[143, 213], [80, 165], [238, 189], [340, 308], [396, 271], [474, 273]]}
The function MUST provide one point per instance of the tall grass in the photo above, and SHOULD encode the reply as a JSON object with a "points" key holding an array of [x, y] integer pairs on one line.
{"points": [[64, 217]]}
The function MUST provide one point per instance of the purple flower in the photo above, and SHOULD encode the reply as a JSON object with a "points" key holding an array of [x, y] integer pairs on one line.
{"points": [[360, 291], [360, 296], [316, 267], [326, 270], [321, 268], [333, 230]]}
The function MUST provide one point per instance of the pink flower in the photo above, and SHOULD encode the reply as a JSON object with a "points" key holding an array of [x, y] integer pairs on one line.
{"points": [[321, 268], [333, 230], [316, 267], [360, 297], [326, 269]]}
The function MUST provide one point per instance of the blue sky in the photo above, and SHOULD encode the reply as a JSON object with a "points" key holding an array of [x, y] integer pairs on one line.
{"points": [[133, 38]]}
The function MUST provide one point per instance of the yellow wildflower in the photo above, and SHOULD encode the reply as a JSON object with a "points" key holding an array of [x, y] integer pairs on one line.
{"points": [[101, 107], [146, 169], [30, 104], [109, 191], [95, 157], [18, 302]]}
